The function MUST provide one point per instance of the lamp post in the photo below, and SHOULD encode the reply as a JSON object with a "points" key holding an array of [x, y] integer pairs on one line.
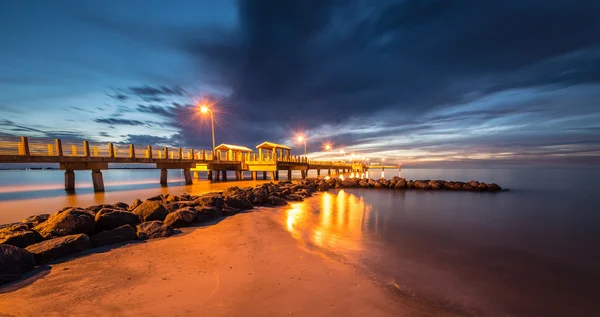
{"points": [[303, 139], [205, 109]]}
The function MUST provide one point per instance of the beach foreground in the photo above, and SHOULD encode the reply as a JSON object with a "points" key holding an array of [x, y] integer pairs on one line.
{"points": [[245, 265]]}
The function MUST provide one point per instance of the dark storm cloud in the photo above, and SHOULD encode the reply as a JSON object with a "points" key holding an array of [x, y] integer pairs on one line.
{"points": [[156, 94], [341, 59]]}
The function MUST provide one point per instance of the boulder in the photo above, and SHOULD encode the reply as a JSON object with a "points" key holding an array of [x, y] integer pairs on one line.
{"points": [[36, 219], [97, 208], [229, 211], [67, 222], [435, 185], [18, 235], [206, 213], [294, 197], [363, 183], [277, 201], [323, 187], [238, 202], [158, 197], [422, 184], [153, 229], [232, 191], [14, 261], [493, 187], [171, 198], [107, 219], [400, 184], [116, 235], [121, 205], [52, 249], [410, 184], [261, 196], [181, 218], [210, 200], [378, 185], [473, 184], [178, 205], [134, 204], [151, 210], [482, 187], [349, 182]]}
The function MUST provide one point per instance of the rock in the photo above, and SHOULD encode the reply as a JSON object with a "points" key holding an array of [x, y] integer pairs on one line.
{"points": [[349, 182], [422, 184], [116, 235], [410, 184], [363, 183], [435, 185], [171, 198], [323, 187], [178, 205], [121, 205], [181, 218], [238, 202], [261, 196], [151, 210], [97, 208], [482, 187], [277, 201], [229, 211], [14, 261], [156, 198], [206, 213], [107, 219], [384, 182], [232, 191], [18, 235], [457, 186], [52, 249], [134, 204], [473, 184], [493, 187], [467, 187], [36, 219], [152, 230], [210, 200], [378, 185], [400, 184], [295, 197], [67, 222]]}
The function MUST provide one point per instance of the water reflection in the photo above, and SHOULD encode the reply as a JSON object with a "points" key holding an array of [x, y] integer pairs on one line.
{"points": [[337, 221]]}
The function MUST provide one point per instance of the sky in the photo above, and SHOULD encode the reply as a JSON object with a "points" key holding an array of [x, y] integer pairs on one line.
{"points": [[418, 82]]}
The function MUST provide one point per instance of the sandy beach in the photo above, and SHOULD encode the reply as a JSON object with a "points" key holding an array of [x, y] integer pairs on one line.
{"points": [[245, 265]]}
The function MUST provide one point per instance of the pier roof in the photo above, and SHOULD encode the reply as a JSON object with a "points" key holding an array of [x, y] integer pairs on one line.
{"points": [[232, 147], [271, 145]]}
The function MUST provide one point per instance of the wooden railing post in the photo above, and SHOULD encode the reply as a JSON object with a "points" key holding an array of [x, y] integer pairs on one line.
{"points": [[180, 153], [166, 152], [111, 150], [149, 154], [131, 151], [25, 145], [86, 149], [192, 154], [203, 155], [59, 149]]}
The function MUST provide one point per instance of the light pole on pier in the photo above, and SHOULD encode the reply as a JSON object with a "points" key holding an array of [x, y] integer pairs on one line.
{"points": [[205, 109], [303, 139]]}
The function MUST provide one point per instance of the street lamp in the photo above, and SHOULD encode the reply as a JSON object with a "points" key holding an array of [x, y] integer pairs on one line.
{"points": [[205, 109], [328, 147], [303, 139]]}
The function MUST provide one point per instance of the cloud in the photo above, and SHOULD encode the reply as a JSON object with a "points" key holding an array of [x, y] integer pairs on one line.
{"points": [[117, 121]]}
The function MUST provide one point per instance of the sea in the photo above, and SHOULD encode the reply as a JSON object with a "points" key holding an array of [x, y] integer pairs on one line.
{"points": [[530, 251]]}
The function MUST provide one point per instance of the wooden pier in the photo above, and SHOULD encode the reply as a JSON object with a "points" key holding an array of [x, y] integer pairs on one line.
{"points": [[270, 158]]}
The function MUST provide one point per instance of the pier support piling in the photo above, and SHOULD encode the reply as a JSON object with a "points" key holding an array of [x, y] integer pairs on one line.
{"points": [[209, 175], [187, 176], [264, 175], [224, 175], [276, 175], [318, 172], [254, 176], [69, 180], [289, 175], [163, 176], [98, 181], [217, 175], [272, 175]]}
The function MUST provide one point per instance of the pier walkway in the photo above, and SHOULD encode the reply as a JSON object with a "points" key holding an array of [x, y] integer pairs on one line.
{"points": [[270, 158]]}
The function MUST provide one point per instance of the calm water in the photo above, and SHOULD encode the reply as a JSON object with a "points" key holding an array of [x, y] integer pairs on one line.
{"points": [[532, 251]]}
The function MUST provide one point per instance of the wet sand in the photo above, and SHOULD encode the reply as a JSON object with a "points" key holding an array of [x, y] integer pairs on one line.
{"points": [[245, 265]]}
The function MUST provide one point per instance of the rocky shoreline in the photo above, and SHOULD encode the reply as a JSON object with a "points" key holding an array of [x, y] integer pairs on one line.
{"points": [[40, 239]]}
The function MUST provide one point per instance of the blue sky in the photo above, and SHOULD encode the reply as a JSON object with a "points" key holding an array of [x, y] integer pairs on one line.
{"points": [[462, 83]]}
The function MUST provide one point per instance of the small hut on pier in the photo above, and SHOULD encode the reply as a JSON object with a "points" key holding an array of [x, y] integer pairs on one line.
{"points": [[269, 151], [230, 152]]}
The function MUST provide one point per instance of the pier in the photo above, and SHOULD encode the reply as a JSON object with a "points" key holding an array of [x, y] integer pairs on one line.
{"points": [[266, 163]]}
